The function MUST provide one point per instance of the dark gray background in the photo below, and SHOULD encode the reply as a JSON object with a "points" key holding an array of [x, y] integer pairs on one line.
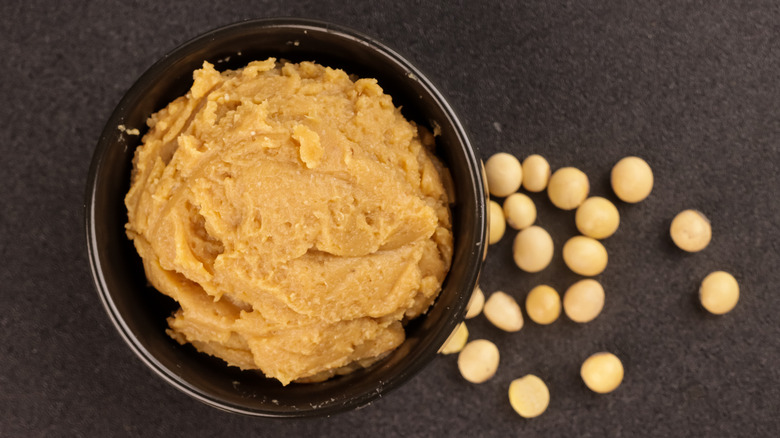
{"points": [[692, 86]]}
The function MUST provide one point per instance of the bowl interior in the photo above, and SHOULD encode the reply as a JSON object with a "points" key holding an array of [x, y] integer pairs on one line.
{"points": [[139, 311]]}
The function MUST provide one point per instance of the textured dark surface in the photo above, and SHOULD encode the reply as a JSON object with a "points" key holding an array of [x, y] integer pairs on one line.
{"points": [[690, 86]]}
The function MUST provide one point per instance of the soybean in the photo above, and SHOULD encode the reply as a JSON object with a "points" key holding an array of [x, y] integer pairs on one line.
{"points": [[632, 179], [503, 312], [533, 249], [719, 292], [478, 361], [536, 173], [476, 302], [568, 188], [543, 305], [497, 223], [583, 300], [602, 372], [585, 256], [520, 211], [691, 231], [504, 174], [456, 341], [597, 218], [529, 396]]}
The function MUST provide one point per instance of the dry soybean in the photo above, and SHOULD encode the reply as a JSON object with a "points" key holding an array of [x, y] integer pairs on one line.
{"points": [[543, 304], [503, 312], [536, 173], [533, 249], [520, 211], [597, 218], [504, 174], [584, 300], [497, 223], [691, 231], [456, 341], [632, 179], [478, 361], [568, 188], [529, 396], [602, 372], [585, 256], [476, 302], [719, 292]]}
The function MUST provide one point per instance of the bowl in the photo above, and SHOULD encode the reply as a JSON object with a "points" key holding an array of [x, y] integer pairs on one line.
{"points": [[139, 312]]}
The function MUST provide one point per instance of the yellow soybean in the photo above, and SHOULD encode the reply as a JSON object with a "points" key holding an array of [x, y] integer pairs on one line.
{"points": [[529, 396], [602, 372], [568, 188], [543, 304]]}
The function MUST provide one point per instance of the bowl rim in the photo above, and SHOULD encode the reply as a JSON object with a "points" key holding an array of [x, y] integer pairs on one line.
{"points": [[472, 270]]}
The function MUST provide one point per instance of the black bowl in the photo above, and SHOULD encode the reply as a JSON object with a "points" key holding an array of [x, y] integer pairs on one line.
{"points": [[139, 312]]}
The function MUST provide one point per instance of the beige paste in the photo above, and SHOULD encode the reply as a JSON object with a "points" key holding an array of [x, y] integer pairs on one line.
{"points": [[294, 214]]}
